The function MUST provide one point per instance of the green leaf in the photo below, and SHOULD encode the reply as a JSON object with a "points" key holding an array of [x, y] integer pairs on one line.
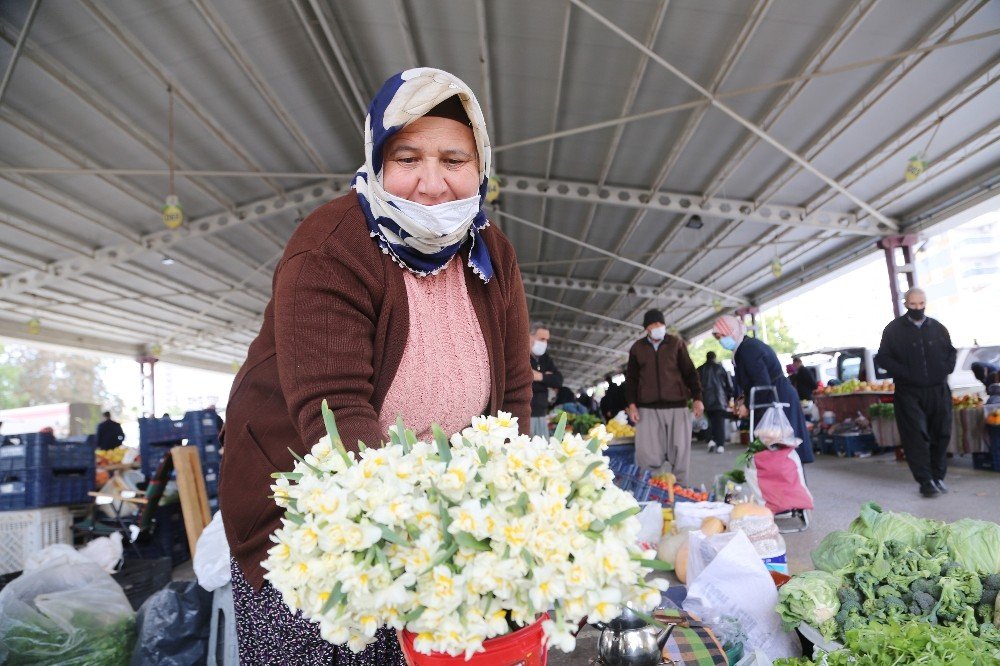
{"points": [[401, 434], [291, 476], [413, 531], [362, 447], [391, 536], [444, 515], [381, 558], [594, 445], [520, 507], [622, 515], [597, 526], [335, 598], [528, 559], [484, 457], [413, 614], [443, 557], [466, 540], [294, 517], [560, 428], [592, 535], [658, 565], [649, 619], [410, 436], [303, 461], [331, 429], [590, 468], [441, 439]]}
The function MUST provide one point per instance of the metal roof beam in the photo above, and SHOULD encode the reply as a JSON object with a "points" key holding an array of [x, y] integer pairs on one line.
{"points": [[135, 48], [16, 55], [620, 289], [606, 253], [721, 106], [334, 39], [412, 58], [586, 313], [324, 59], [242, 59], [159, 240], [947, 25], [686, 203], [587, 328]]}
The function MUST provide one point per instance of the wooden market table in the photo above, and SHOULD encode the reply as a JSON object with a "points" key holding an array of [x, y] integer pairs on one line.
{"points": [[848, 405]]}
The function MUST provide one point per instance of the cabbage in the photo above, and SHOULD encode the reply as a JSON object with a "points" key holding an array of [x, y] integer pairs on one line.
{"points": [[881, 526], [810, 597], [835, 552], [975, 544]]}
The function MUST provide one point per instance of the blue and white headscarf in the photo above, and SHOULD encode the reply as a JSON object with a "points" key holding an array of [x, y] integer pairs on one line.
{"points": [[403, 99]]}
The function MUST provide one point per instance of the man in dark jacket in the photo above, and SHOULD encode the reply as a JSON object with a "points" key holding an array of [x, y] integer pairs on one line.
{"points": [[659, 380], [717, 389], [803, 379], [613, 400], [546, 376], [109, 433], [917, 351]]}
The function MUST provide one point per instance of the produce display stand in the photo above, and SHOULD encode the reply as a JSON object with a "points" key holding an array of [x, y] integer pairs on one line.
{"points": [[848, 405], [968, 431]]}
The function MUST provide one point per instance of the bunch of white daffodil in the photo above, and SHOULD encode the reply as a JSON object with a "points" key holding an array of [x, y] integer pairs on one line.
{"points": [[458, 541]]}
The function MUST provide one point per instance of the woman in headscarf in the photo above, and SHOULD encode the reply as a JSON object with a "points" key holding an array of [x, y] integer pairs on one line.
{"points": [[756, 364], [397, 299]]}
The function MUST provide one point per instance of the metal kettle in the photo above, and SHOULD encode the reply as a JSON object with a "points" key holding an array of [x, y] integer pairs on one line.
{"points": [[628, 641]]}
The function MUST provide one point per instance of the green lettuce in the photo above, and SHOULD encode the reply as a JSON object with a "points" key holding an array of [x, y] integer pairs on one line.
{"points": [[975, 544], [810, 597], [880, 526], [836, 551]]}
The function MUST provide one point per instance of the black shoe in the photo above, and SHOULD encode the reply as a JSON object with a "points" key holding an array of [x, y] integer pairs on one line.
{"points": [[939, 484], [928, 489]]}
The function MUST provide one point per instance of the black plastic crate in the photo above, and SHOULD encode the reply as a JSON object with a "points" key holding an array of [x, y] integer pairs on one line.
{"points": [[141, 578], [987, 460], [27, 451]]}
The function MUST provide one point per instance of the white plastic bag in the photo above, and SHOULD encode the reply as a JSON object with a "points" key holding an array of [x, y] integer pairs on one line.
{"points": [[735, 582], [211, 555], [66, 613], [105, 551], [775, 428], [651, 523], [688, 515]]}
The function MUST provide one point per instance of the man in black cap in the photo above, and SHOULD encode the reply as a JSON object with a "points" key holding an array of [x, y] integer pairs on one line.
{"points": [[659, 380]]}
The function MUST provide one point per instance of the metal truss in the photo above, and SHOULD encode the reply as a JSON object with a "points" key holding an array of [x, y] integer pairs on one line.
{"points": [[687, 203], [622, 289], [64, 269]]}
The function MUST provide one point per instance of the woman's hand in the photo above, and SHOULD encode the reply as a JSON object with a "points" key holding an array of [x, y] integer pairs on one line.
{"points": [[742, 411]]}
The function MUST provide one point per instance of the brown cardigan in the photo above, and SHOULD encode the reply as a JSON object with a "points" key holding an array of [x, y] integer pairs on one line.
{"points": [[335, 328]]}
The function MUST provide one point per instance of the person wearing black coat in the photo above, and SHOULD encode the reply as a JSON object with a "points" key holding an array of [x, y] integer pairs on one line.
{"points": [[546, 376], [717, 391], [109, 433], [917, 352], [614, 399]]}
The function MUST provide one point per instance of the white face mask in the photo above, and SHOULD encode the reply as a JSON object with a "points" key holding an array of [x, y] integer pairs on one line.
{"points": [[538, 347], [658, 333], [443, 219]]}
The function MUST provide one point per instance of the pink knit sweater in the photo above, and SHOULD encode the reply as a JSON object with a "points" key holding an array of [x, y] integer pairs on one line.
{"points": [[444, 375]]}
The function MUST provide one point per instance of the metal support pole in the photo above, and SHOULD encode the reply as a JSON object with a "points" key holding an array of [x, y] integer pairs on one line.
{"points": [[907, 268], [147, 365], [21, 39]]}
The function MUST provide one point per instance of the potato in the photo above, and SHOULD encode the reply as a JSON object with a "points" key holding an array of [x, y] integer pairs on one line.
{"points": [[712, 525], [681, 563]]}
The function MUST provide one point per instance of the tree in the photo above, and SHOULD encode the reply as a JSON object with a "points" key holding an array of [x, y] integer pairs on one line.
{"points": [[10, 382], [39, 377], [699, 350]]}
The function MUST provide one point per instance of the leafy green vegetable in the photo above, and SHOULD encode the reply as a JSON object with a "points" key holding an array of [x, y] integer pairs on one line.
{"points": [[810, 597], [98, 646], [835, 552], [974, 544], [884, 526]]}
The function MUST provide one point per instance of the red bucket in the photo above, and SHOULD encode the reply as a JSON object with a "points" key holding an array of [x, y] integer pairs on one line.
{"points": [[525, 647]]}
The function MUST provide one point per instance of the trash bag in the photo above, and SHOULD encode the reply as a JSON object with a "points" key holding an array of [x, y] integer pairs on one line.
{"points": [[68, 613], [774, 428], [173, 626]]}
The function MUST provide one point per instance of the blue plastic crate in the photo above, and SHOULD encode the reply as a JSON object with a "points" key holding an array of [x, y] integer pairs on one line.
{"points": [[150, 456], [211, 473], [620, 454], [62, 487], [851, 445], [168, 538], [27, 451], [208, 449], [159, 431], [68, 455], [23, 489], [200, 424]]}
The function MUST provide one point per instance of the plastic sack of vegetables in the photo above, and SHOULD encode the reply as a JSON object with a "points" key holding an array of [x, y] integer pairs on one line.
{"points": [[774, 428], [73, 614]]}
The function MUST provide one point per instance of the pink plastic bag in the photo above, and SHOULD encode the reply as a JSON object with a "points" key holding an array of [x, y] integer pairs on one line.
{"points": [[776, 476]]}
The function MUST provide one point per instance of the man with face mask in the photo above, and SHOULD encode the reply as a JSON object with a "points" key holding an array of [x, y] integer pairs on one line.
{"points": [[660, 378], [546, 377], [917, 351]]}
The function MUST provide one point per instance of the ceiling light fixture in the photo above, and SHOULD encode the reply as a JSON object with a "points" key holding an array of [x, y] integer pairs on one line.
{"points": [[167, 261], [694, 222]]}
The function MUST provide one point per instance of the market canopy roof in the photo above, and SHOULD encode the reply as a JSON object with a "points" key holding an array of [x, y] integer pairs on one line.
{"points": [[650, 153]]}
